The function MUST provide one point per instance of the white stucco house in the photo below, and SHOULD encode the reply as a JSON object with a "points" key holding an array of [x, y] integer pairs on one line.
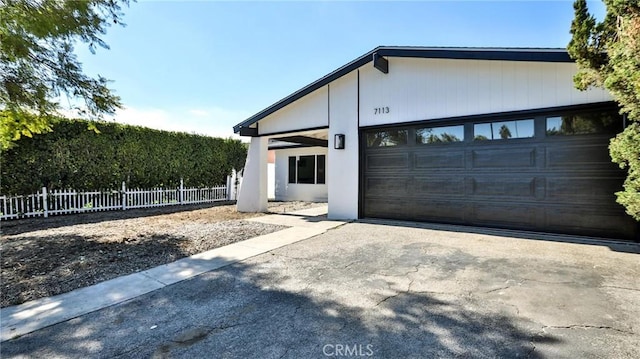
{"points": [[472, 136]]}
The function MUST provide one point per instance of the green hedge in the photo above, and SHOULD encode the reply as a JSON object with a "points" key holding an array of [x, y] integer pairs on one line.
{"points": [[73, 156]]}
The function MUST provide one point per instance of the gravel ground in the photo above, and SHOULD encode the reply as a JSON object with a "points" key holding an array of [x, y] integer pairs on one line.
{"points": [[42, 257]]}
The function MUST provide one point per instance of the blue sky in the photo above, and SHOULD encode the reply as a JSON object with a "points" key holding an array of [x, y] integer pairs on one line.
{"points": [[204, 66]]}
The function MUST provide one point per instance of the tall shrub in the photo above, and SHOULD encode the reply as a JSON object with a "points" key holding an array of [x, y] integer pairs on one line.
{"points": [[74, 157]]}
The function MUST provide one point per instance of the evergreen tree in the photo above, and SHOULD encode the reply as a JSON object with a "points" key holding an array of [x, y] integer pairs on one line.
{"points": [[504, 132], [608, 55]]}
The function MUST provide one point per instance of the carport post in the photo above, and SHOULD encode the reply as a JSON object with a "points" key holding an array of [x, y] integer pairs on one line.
{"points": [[252, 196]]}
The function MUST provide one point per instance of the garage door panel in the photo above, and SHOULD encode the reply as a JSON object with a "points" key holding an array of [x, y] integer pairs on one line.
{"points": [[396, 186], [440, 159], [589, 156], [510, 214], [441, 210], [504, 157], [583, 189], [499, 186], [410, 209], [600, 222], [387, 161], [422, 187], [425, 187], [385, 207]]}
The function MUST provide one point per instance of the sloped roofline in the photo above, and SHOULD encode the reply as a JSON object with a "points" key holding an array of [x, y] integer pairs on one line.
{"points": [[464, 53]]}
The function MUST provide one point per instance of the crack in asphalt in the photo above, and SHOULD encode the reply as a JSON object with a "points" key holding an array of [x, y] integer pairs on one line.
{"points": [[286, 350], [389, 297], [273, 253], [350, 264], [295, 312], [545, 281], [618, 287], [533, 348], [579, 326], [497, 289], [126, 352], [293, 328], [416, 268], [409, 286]]}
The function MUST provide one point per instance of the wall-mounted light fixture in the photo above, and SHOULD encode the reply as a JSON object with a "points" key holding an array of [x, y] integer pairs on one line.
{"points": [[338, 141]]}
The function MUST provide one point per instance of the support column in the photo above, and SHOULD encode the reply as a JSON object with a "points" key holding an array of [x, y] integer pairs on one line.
{"points": [[252, 196], [342, 169]]}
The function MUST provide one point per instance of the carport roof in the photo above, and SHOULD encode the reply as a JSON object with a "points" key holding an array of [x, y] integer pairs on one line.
{"points": [[465, 53]]}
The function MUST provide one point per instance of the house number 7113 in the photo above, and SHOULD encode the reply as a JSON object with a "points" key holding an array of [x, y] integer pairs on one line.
{"points": [[380, 110]]}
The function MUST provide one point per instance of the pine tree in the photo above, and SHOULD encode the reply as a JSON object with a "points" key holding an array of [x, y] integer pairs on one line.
{"points": [[608, 55]]}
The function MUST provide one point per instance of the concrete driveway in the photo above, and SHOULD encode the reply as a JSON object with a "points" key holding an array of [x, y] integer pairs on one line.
{"points": [[383, 290]]}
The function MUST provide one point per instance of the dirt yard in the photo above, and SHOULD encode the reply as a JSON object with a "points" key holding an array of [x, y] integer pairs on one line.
{"points": [[42, 257]]}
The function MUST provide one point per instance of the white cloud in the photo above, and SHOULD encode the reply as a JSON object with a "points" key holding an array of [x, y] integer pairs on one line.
{"points": [[199, 113], [213, 121]]}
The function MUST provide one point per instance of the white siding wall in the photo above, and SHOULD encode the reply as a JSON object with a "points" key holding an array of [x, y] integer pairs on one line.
{"points": [[421, 89], [343, 164], [271, 180], [310, 111], [286, 191]]}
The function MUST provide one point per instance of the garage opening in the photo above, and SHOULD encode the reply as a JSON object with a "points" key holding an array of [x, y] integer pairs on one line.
{"points": [[547, 172]]}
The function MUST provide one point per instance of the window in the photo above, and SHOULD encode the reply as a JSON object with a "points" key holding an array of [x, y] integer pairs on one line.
{"points": [[292, 169], [503, 130], [320, 171], [609, 122], [440, 134], [307, 169], [387, 138]]}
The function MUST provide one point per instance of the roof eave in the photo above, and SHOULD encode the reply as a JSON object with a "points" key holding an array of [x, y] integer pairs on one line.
{"points": [[360, 61]]}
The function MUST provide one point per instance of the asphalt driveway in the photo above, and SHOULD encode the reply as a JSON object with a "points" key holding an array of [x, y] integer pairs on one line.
{"points": [[381, 290]]}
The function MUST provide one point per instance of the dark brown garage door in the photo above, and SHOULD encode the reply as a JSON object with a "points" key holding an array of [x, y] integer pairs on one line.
{"points": [[548, 173]]}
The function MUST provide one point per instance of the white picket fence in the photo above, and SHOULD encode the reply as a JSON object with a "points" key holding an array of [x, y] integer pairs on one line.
{"points": [[47, 203]]}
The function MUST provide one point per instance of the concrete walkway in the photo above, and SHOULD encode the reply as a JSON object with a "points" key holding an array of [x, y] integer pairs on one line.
{"points": [[37, 314]]}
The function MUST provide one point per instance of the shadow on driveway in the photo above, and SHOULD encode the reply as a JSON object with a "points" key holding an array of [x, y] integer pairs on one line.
{"points": [[242, 311]]}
